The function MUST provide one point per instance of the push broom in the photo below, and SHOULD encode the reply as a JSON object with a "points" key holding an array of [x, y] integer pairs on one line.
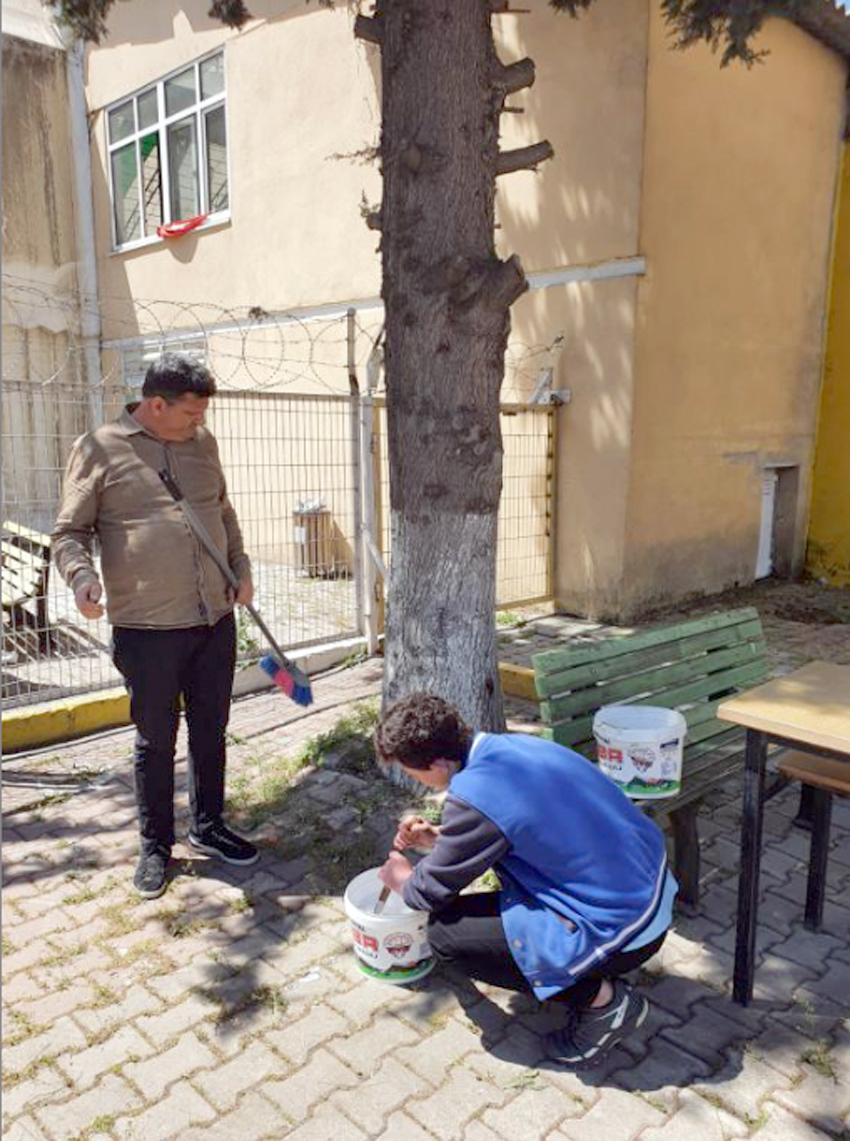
{"points": [[284, 673]]}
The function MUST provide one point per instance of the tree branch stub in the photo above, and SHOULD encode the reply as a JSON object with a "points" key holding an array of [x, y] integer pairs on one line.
{"points": [[369, 29], [512, 77], [524, 158]]}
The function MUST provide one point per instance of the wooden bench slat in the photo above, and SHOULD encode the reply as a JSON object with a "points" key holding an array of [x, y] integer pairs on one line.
{"points": [[819, 772], [563, 674], [648, 682], [714, 687], [623, 644]]}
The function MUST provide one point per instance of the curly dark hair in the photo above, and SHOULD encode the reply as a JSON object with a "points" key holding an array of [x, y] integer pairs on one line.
{"points": [[420, 729]]}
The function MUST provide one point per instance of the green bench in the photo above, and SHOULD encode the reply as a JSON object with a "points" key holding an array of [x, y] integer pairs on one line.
{"points": [[689, 666]]}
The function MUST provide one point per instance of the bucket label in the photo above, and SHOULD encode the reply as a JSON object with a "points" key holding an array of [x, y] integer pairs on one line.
{"points": [[398, 944], [643, 770]]}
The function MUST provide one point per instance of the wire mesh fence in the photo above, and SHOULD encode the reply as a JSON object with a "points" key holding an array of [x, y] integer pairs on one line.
{"points": [[289, 418]]}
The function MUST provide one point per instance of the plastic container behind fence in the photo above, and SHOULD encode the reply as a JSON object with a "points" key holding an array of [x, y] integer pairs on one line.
{"points": [[393, 945], [640, 748]]}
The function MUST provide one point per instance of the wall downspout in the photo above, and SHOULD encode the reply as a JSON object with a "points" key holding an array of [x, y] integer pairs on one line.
{"points": [[84, 227]]}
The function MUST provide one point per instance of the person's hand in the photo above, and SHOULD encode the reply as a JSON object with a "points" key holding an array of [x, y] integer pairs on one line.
{"points": [[245, 593], [395, 872], [87, 597], [415, 832]]}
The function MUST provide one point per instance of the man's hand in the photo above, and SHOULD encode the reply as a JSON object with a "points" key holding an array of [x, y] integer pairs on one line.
{"points": [[395, 872], [87, 598], [245, 593], [415, 832]]}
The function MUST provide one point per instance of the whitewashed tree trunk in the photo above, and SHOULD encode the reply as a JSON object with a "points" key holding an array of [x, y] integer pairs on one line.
{"points": [[447, 298]]}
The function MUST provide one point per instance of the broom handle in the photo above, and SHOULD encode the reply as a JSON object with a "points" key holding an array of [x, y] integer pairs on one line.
{"points": [[215, 554]]}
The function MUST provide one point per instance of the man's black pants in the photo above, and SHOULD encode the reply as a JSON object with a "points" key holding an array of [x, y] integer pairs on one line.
{"points": [[468, 934], [158, 667]]}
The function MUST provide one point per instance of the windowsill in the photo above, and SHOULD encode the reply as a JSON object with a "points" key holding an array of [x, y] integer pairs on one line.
{"points": [[214, 222]]}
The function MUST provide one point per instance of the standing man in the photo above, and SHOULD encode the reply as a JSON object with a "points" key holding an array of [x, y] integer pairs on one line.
{"points": [[169, 605]]}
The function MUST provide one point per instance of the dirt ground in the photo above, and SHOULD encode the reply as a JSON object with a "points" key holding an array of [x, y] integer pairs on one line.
{"points": [[802, 601]]}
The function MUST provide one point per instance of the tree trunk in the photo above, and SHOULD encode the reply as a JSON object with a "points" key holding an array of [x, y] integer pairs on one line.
{"points": [[447, 297]]}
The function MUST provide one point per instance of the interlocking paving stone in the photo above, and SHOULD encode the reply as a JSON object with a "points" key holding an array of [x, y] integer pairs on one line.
{"points": [[110, 1098], [460, 1097], [153, 1075], [433, 1057], [820, 1097], [696, 1119], [312, 1084], [86, 1067], [328, 1125], [615, 1117], [388, 1089], [225, 1083], [744, 1084], [171, 1117], [780, 1125], [531, 1114]]}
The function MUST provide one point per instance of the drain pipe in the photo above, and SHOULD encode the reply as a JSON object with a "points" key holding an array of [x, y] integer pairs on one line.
{"points": [[89, 307]]}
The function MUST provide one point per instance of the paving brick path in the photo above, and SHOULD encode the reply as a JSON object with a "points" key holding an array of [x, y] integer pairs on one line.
{"points": [[231, 1009]]}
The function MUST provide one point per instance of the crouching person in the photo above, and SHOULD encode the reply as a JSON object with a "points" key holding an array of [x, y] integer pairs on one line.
{"points": [[586, 895]]}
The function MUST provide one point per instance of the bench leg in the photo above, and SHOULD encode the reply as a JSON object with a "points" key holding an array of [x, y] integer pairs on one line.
{"points": [[686, 853], [806, 810], [821, 803]]}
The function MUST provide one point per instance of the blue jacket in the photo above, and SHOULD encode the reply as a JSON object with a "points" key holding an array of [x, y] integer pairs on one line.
{"points": [[580, 852]]}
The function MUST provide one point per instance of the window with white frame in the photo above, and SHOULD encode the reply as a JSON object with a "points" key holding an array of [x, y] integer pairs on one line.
{"points": [[168, 152]]}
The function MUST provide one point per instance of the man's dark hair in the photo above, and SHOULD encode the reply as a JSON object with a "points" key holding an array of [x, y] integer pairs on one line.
{"points": [[174, 375], [420, 729]]}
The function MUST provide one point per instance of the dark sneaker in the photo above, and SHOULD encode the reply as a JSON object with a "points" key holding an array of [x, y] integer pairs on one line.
{"points": [[150, 880], [220, 841], [594, 1032]]}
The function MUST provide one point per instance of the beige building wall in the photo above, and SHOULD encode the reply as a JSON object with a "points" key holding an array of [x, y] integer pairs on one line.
{"points": [[740, 173], [42, 367], [580, 209], [301, 104]]}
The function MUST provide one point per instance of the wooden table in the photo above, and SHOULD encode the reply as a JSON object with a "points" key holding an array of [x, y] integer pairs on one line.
{"points": [[809, 709]]}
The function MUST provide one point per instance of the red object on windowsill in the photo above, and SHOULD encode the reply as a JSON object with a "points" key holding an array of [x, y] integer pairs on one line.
{"points": [[177, 229]]}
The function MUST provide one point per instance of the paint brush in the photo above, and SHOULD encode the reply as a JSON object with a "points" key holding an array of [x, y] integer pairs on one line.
{"points": [[382, 899], [284, 673]]}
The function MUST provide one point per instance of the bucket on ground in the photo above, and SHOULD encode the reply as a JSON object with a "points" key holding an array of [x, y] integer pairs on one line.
{"points": [[393, 945], [639, 748]]}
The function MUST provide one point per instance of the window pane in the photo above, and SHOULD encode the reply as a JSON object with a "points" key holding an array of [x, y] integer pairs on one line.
{"points": [[151, 182], [216, 160], [183, 169], [212, 76], [121, 122], [180, 92], [147, 108], [125, 189]]}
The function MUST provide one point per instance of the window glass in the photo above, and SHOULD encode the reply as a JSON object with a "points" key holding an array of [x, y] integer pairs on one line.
{"points": [[121, 122], [125, 190], [216, 159], [180, 91], [212, 76], [183, 169], [151, 182], [147, 109]]}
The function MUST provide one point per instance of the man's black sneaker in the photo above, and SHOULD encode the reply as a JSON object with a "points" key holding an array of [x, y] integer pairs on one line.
{"points": [[595, 1031], [150, 880], [220, 841]]}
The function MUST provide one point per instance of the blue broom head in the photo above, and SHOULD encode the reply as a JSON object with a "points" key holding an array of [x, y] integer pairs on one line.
{"points": [[289, 679]]}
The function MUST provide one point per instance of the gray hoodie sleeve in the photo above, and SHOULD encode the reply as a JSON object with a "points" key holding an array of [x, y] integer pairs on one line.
{"points": [[469, 843]]}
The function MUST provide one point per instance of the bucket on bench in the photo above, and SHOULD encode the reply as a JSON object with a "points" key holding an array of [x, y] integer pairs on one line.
{"points": [[393, 945], [639, 748]]}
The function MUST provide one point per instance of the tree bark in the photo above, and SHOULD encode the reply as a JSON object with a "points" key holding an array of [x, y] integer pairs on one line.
{"points": [[447, 297]]}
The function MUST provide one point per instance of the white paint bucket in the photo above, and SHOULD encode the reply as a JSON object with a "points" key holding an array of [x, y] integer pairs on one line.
{"points": [[393, 945], [639, 748]]}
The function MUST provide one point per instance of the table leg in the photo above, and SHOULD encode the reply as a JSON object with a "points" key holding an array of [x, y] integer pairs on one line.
{"points": [[818, 858], [755, 758]]}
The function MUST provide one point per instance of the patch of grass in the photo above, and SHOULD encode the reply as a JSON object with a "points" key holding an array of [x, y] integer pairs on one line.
{"points": [[119, 918], [242, 903], [256, 796], [261, 998], [508, 618], [147, 949], [101, 1124], [528, 1079], [820, 1059], [7, 946], [24, 1028], [13, 1078], [104, 995], [85, 895]]}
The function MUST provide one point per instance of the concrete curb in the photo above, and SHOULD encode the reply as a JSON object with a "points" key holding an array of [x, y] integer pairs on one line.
{"points": [[55, 721]]}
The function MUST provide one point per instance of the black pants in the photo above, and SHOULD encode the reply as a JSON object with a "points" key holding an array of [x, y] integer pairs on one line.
{"points": [[469, 934], [158, 667]]}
